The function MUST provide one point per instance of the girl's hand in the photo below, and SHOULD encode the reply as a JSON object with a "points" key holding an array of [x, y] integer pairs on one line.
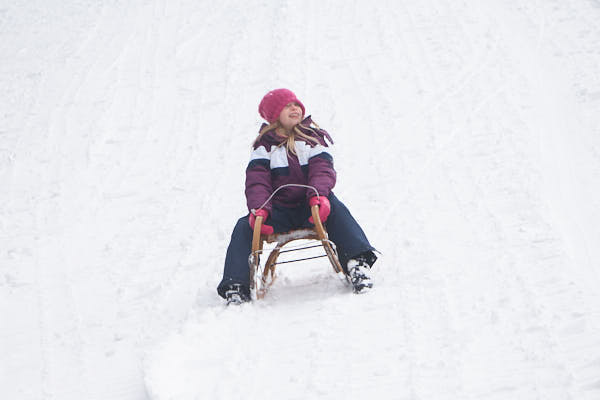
{"points": [[324, 207], [264, 229]]}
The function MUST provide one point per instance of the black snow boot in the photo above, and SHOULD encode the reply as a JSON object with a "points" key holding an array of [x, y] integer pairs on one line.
{"points": [[358, 271], [236, 295]]}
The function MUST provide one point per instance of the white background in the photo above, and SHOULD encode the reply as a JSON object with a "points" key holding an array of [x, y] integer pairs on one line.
{"points": [[467, 146]]}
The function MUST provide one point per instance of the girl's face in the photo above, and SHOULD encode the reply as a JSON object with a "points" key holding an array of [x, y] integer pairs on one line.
{"points": [[290, 116]]}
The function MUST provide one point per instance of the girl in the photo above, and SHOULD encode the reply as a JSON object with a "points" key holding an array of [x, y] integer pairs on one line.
{"points": [[292, 149]]}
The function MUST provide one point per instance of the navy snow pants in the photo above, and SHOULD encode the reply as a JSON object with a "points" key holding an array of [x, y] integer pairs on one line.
{"points": [[342, 228]]}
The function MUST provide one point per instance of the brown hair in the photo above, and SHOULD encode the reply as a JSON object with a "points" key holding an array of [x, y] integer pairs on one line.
{"points": [[291, 138]]}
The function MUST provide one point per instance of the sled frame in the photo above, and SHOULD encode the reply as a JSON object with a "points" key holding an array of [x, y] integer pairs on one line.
{"points": [[260, 282]]}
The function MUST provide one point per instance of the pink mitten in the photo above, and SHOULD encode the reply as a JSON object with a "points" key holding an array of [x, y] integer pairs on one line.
{"points": [[264, 229], [324, 207]]}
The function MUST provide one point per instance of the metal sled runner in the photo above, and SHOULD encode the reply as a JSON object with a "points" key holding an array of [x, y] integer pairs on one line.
{"points": [[260, 282]]}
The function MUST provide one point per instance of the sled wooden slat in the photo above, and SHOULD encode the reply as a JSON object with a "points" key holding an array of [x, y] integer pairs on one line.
{"points": [[261, 284]]}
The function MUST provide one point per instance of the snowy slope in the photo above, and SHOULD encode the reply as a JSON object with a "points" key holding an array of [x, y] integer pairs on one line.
{"points": [[467, 146]]}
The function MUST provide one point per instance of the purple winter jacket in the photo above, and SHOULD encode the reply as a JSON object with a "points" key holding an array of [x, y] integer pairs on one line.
{"points": [[271, 166]]}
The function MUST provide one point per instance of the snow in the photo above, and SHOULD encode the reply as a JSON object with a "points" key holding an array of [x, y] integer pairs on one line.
{"points": [[467, 146]]}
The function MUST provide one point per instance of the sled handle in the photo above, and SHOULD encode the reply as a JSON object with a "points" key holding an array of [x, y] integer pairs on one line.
{"points": [[284, 186], [256, 234], [322, 234], [317, 221]]}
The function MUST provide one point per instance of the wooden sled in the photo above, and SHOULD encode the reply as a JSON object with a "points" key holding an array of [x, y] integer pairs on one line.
{"points": [[261, 282]]}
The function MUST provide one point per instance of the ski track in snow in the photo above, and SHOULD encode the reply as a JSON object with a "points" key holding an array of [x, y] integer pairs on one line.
{"points": [[124, 133]]}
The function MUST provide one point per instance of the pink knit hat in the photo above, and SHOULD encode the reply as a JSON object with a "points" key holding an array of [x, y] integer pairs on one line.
{"points": [[273, 103]]}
